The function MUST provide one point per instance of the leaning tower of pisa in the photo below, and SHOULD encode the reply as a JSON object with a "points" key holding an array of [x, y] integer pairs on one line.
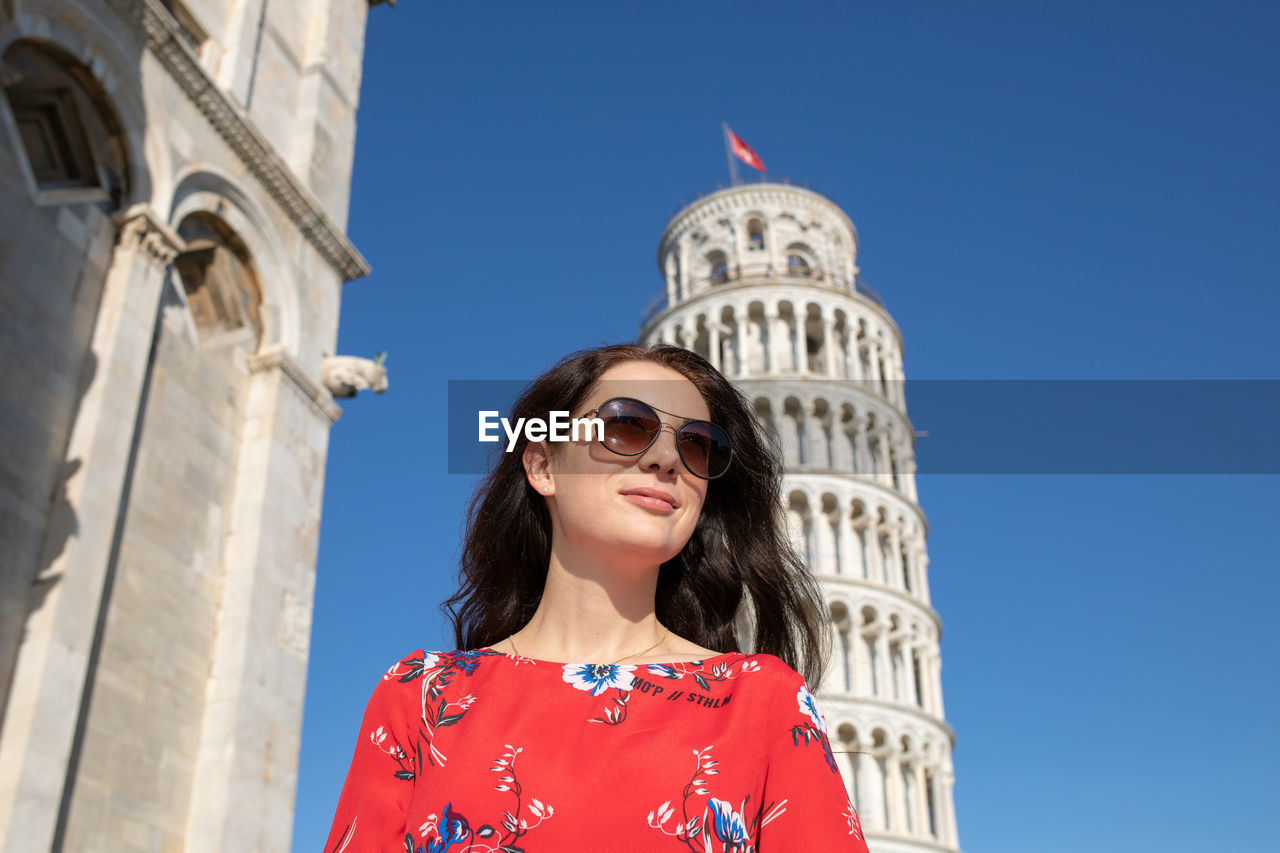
{"points": [[762, 280]]}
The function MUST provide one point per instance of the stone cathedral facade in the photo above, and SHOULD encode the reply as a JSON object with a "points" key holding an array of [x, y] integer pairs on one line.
{"points": [[762, 280], [174, 179]]}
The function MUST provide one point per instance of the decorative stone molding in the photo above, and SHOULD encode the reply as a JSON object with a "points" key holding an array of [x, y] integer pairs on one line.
{"points": [[745, 197], [144, 232], [164, 39], [275, 358]]}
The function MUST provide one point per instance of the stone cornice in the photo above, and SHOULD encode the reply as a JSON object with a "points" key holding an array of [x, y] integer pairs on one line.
{"points": [[848, 582], [803, 289], [275, 358], [140, 229], [746, 196], [833, 703], [163, 38]]}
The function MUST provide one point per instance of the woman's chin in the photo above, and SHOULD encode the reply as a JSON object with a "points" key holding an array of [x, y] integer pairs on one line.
{"points": [[639, 550]]}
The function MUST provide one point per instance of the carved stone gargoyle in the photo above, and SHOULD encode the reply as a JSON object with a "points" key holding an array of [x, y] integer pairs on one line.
{"points": [[345, 375]]}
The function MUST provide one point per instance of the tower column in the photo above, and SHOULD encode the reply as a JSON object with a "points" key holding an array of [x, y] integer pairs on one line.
{"points": [[939, 832], [741, 340], [260, 652], [897, 457], [819, 445], [841, 451], [926, 679], [897, 796], [773, 326], [861, 454], [887, 376], [800, 345], [855, 655], [909, 478], [848, 549], [923, 574], [885, 684], [895, 553], [55, 668], [849, 352], [860, 532], [937, 684], [830, 347], [876, 549], [920, 799], [884, 470], [857, 346], [948, 808], [713, 344], [873, 364]]}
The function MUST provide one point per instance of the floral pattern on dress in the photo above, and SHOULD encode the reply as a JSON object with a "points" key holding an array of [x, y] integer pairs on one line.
{"points": [[855, 825], [587, 676], [595, 678], [697, 670], [440, 834], [437, 672], [772, 780], [731, 827], [815, 729]]}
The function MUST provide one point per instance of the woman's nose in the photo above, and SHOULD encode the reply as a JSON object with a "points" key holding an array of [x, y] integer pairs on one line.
{"points": [[662, 451]]}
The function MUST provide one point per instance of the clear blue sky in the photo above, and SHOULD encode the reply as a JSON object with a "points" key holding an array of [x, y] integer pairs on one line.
{"points": [[1077, 190]]}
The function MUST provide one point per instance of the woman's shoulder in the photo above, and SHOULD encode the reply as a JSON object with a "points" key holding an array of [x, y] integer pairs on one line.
{"points": [[421, 663], [766, 678], [773, 668]]}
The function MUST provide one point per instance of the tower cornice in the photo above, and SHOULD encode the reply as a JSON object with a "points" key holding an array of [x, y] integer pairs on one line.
{"points": [[744, 197]]}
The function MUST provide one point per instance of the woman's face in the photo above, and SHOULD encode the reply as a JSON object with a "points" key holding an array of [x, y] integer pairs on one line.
{"points": [[591, 491]]}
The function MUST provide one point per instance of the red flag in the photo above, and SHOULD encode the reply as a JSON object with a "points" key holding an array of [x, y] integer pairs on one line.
{"points": [[743, 152]]}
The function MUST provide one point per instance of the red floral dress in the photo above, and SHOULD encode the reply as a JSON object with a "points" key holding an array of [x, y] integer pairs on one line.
{"points": [[485, 752]]}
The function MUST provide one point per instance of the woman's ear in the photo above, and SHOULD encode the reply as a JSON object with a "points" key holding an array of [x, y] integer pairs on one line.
{"points": [[537, 467]]}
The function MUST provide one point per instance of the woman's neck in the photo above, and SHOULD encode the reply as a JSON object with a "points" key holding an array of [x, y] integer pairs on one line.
{"points": [[592, 612]]}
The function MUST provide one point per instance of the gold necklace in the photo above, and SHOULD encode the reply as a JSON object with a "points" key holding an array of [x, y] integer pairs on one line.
{"points": [[665, 632]]}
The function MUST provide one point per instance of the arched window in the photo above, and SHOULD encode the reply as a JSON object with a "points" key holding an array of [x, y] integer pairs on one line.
{"points": [[218, 277], [755, 236], [799, 261], [719, 265], [66, 126], [798, 265]]}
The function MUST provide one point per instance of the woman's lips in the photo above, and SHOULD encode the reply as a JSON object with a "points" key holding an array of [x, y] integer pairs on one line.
{"points": [[649, 501]]}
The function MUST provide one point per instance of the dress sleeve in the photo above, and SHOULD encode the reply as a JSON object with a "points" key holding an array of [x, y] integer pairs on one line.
{"points": [[372, 808], [805, 805]]}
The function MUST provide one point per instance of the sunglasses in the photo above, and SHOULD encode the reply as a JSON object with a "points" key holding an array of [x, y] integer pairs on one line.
{"points": [[632, 426]]}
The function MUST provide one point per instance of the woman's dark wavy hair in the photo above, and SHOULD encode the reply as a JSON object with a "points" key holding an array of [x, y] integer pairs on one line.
{"points": [[739, 554]]}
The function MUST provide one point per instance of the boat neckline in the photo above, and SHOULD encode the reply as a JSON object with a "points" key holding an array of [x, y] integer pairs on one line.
{"points": [[703, 660]]}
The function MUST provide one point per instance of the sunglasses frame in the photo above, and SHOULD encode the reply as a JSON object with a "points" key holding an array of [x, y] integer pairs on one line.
{"points": [[678, 430]]}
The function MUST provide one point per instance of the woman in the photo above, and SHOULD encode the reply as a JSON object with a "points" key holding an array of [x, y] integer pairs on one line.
{"points": [[599, 700]]}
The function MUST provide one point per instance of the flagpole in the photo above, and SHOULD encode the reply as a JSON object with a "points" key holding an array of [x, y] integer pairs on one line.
{"points": [[728, 154]]}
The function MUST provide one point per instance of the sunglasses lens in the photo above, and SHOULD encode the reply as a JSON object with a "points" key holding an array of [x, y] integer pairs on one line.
{"points": [[705, 449], [629, 427]]}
